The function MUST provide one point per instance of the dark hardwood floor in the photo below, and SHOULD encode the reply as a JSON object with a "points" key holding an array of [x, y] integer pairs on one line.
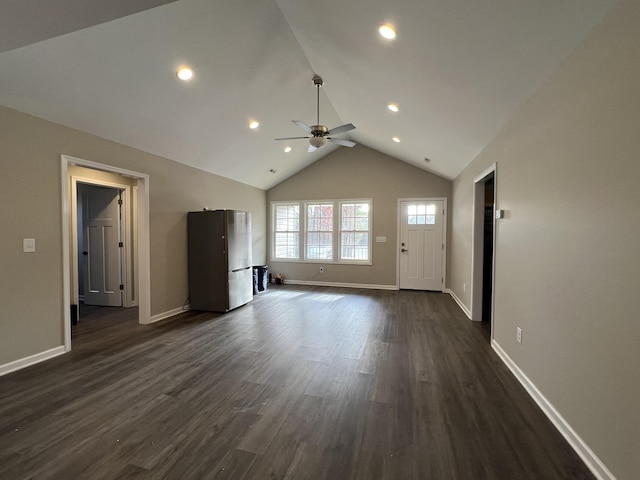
{"points": [[302, 383]]}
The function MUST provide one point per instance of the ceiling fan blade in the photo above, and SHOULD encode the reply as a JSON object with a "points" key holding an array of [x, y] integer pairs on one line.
{"points": [[312, 149], [289, 138], [341, 129], [302, 125], [343, 142]]}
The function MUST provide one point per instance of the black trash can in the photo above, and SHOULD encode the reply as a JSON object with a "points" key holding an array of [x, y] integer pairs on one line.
{"points": [[255, 280], [262, 279]]}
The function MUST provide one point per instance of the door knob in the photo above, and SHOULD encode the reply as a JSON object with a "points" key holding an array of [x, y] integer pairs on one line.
{"points": [[85, 253], [404, 250]]}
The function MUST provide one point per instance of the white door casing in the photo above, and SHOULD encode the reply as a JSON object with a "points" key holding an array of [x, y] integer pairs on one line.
{"points": [[421, 244], [478, 243], [102, 252], [142, 258]]}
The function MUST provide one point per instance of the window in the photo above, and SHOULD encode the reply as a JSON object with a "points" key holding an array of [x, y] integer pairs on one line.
{"points": [[319, 231], [336, 231], [421, 214], [354, 231], [286, 227]]}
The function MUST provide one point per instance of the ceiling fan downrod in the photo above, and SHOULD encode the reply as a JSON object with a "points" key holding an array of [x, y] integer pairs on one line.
{"points": [[317, 81]]}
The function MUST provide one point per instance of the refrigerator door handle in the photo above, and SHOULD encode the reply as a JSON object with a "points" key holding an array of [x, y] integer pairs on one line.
{"points": [[240, 269]]}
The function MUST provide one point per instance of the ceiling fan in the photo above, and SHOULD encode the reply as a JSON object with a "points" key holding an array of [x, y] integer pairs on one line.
{"points": [[319, 135]]}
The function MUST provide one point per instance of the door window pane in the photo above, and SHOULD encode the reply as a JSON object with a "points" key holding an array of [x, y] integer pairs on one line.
{"points": [[421, 214]]}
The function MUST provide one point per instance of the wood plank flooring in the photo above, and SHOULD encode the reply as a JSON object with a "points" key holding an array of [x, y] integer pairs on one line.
{"points": [[302, 383]]}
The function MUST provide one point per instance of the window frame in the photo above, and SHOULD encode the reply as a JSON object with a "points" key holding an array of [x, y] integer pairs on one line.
{"points": [[332, 232], [369, 232], [273, 232], [336, 232]]}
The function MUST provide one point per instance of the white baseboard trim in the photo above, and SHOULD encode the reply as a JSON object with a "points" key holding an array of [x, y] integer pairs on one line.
{"points": [[462, 306], [31, 360], [599, 470], [170, 313], [344, 285]]}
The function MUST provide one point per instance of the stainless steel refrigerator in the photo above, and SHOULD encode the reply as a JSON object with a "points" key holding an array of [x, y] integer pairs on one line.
{"points": [[220, 270]]}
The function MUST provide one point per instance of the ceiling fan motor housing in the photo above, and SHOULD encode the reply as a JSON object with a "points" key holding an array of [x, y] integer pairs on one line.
{"points": [[318, 130]]}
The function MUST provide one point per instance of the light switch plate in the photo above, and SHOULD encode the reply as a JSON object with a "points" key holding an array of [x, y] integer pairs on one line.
{"points": [[28, 245]]}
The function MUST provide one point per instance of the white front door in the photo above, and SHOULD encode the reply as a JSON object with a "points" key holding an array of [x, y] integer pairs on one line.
{"points": [[421, 245], [101, 250]]}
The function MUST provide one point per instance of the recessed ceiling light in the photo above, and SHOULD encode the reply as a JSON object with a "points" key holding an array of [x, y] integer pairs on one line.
{"points": [[387, 31], [287, 149], [253, 125], [396, 139], [393, 107], [185, 73]]}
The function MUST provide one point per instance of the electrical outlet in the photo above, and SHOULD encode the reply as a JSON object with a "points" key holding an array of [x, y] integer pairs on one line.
{"points": [[321, 269], [518, 335]]}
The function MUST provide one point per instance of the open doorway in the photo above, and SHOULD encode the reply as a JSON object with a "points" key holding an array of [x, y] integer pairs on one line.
{"points": [[483, 253], [133, 187], [487, 249]]}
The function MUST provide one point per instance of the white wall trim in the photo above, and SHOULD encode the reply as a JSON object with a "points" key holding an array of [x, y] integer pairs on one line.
{"points": [[170, 313], [599, 470], [31, 360], [462, 306], [369, 286]]}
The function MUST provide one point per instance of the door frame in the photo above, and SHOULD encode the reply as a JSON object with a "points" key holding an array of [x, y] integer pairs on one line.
{"points": [[126, 261], [444, 235], [141, 244], [477, 247]]}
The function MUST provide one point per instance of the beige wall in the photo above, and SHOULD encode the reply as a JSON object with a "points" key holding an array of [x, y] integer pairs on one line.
{"points": [[31, 284], [568, 253], [358, 172]]}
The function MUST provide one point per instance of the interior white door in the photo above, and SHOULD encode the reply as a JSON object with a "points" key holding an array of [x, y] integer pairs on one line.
{"points": [[421, 245], [101, 251]]}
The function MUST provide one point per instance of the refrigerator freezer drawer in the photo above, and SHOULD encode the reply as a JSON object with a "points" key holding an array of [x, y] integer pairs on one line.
{"points": [[240, 287]]}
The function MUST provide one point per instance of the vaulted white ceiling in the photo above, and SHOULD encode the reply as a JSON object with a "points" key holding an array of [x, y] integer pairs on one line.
{"points": [[458, 70]]}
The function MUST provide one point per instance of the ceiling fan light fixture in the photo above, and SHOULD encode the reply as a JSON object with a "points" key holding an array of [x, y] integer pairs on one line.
{"points": [[387, 31], [317, 141]]}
